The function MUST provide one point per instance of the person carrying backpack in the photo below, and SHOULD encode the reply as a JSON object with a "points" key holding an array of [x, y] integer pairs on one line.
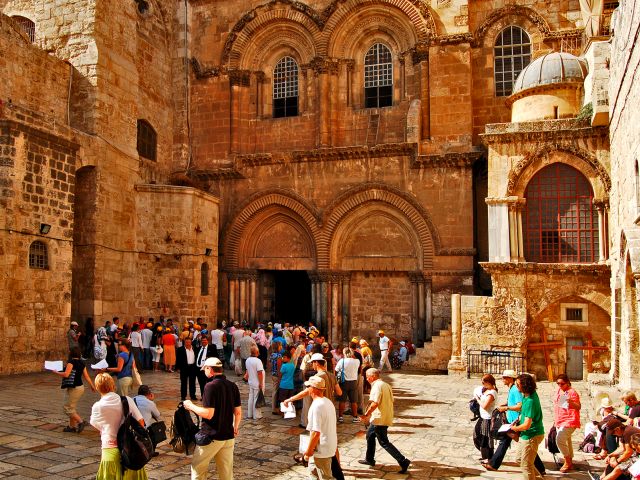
{"points": [[107, 416]]}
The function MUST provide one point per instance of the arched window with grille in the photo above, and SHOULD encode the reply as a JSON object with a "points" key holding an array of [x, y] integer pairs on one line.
{"points": [[512, 52], [561, 224], [285, 88], [378, 77], [38, 256], [204, 279], [147, 140], [28, 26]]}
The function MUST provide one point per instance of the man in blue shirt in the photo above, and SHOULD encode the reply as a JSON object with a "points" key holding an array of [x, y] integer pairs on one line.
{"points": [[513, 406]]}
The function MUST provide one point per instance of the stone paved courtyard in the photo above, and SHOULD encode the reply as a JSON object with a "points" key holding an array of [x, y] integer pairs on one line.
{"points": [[432, 428]]}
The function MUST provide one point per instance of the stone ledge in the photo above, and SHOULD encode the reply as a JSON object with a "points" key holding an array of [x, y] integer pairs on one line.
{"points": [[541, 130], [597, 269]]}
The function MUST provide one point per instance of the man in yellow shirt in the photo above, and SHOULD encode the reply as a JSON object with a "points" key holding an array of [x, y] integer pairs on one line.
{"points": [[381, 412]]}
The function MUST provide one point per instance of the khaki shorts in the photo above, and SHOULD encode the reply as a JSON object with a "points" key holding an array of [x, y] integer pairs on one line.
{"points": [[71, 398]]}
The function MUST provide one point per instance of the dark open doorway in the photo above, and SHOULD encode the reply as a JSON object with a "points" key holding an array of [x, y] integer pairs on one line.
{"points": [[286, 296]]}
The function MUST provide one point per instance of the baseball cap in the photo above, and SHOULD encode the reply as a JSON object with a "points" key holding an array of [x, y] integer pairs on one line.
{"points": [[212, 362], [403, 343], [317, 357], [509, 374], [380, 332], [316, 382]]}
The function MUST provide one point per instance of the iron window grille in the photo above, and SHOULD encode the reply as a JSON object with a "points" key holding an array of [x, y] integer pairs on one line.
{"points": [[512, 52], [560, 223], [378, 77], [38, 256], [285, 88], [147, 140], [28, 27]]}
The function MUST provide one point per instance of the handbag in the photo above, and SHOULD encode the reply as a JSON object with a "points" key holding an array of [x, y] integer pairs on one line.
{"points": [[157, 432], [69, 382], [204, 438], [260, 401], [137, 378]]}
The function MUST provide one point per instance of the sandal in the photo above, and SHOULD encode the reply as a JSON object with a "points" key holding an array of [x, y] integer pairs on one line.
{"points": [[299, 459], [600, 456], [69, 429]]}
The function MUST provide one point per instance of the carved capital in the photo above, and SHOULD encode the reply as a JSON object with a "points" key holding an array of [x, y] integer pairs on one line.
{"points": [[419, 53], [601, 204], [260, 76], [323, 65], [201, 72], [417, 277], [241, 78]]}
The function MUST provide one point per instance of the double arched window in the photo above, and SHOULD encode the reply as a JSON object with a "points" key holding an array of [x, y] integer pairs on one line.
{"points": [[378, 77], [512, 52], [38, 256], [285, 88], [560, 224]]}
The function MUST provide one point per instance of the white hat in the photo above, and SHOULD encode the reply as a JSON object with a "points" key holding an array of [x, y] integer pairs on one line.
{"points": [[403, 343], [74, 323], [212, 362], [606, 403], [316, 382], [317, 357], [509, 374]]}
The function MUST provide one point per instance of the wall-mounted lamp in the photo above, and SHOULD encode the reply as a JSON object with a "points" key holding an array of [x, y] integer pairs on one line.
{"points": [[208, 252], [45, 228]]}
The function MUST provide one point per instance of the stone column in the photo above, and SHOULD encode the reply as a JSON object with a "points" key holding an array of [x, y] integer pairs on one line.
{"points": [[520, 206], [302, 90], [242, 303], [421, 59], [233, 283], [314, 296], [238, 80], [350, 64], [335, 309], [500, 243], [456, 364], [419, 317], [346, 303], [260, 77], [603, 237], [428, 310], [253, 307]]}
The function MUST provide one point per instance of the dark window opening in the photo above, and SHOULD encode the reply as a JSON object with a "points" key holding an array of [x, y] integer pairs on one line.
{"points": [[378, 77], [38, 257], [27, 26], [512, 52], [204, 279], [285, 88], [147, 140], [574, 314]]}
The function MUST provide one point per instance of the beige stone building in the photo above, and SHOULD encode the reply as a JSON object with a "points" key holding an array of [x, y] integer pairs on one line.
{"points": [[354, 163]]}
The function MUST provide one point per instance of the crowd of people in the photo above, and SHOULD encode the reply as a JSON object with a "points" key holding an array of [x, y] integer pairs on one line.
{"points": [[325, 382], [614, 438]]}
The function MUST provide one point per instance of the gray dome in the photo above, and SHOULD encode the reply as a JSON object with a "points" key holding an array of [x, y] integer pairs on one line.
{"points": [[555, 67]]}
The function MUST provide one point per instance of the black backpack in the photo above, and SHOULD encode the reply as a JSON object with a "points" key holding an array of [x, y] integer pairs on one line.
{"points": [[183, 430], [498, 419], [134, 443], [551, 443], [474, 406]]}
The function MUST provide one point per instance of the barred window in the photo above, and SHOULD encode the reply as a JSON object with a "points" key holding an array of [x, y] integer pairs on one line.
{"points": [[27, 26], [512, 52], [560, 223], [38, 257], [147, 140], [285, 88], [378, 77], [204, 279]]}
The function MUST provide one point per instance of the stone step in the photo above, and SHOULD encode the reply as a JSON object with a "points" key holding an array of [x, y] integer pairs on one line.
{"points": [[435, 354]]}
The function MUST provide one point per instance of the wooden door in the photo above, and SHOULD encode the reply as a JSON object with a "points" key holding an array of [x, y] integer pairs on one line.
{"points": [[574, 359]]}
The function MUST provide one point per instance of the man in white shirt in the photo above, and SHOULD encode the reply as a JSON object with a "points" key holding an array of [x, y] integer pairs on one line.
{"points": [[186, 363], [136, 346], [255, 378], [384, 344], [323, 439], [218, 340], [147, 335]]}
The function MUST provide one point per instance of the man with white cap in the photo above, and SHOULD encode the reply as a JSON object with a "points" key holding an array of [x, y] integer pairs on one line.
{"points": [[385, 345], [323, 439], [221, 413], [512, 407], [73, 336]]}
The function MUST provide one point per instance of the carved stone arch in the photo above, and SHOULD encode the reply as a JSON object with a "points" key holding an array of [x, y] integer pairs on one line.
{"points": [[546, 154], [555, 295], [268, 17], [629, 252], [383, 194], [495, 18], [414, 13], [359, 28], [287, 203], [275, 40]]}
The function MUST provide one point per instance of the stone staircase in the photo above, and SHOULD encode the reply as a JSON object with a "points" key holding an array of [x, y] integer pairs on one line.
{"points": [[435, 354]]}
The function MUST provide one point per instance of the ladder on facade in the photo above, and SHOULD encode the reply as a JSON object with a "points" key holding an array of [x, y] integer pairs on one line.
{"points": [[372, 129]]}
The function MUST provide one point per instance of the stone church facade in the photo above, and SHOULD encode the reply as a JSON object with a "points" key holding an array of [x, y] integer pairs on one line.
{"points": [[350, 162]]}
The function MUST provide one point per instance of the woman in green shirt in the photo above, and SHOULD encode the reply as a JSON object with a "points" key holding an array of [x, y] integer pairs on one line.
{"points": [[530, 428]]}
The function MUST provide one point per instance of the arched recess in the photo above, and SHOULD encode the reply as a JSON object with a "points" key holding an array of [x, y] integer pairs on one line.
{"points": [[358, 29], [277, 239], [581, 160], [629, 355], [529, 19], [569, 289], [282, 211], [353, 17], [279, 25], [375, 236], [380, 198]]}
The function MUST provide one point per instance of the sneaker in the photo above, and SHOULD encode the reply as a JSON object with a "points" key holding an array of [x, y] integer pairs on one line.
{"points": [[340, 420], [364, 461], [355, 420], [404, 465]]}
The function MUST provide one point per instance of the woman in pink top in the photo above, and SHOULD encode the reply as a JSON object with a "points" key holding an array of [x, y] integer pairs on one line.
{"points": [[566, 414]]}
